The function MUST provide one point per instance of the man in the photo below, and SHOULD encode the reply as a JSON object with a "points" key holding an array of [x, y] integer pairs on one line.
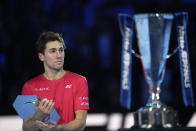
{"points": [[67, 92]]}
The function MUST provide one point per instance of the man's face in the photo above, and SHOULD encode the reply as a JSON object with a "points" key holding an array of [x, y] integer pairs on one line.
{"points": [[53, 57]]}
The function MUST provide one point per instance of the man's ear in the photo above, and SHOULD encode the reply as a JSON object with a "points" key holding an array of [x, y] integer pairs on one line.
{"points": [[41, 56]]}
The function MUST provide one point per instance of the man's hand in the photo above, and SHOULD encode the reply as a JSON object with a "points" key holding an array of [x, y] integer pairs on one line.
{"points": [[43, 108], [45, 127]]}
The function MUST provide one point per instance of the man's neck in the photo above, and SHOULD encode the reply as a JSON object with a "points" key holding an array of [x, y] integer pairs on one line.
{"points": [[54, 75]]}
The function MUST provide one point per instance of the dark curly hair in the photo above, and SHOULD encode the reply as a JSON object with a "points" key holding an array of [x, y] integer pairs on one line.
{"points": [[45, 37]]}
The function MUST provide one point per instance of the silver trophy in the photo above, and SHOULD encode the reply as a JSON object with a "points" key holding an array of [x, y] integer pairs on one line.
{"points": [[153, 34]]}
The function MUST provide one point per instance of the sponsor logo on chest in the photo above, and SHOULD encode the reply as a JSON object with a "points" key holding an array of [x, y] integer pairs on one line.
{"points": [[68, 85], [42, 89]]}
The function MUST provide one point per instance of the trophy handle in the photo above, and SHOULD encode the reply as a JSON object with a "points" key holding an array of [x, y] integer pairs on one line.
{"points": [[136, 54], [168, 56], [173, 52]]}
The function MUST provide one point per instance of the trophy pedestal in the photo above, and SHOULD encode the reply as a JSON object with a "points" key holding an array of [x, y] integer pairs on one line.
{"points": [[155, 116]]}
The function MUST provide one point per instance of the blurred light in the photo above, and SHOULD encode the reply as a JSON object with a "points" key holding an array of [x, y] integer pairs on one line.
{"points": [[96, 120], [2, 60], [48, 6], [129, 120], [115, 121], [192, 121], [10, 123], [112, 122], [89, 15], [104, 50]]}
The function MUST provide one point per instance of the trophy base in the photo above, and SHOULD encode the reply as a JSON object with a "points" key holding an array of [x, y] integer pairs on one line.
{"points": [[155, 116]]}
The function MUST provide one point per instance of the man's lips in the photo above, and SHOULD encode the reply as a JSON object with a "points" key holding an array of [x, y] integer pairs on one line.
{"points": [[59, 61]]}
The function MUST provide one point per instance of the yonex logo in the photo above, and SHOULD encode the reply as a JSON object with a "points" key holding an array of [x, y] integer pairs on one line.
{"points": [[68, 86]]}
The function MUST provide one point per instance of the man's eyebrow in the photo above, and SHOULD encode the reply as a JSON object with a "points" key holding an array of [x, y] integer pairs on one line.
{"points": [[55, 48], [52, 48]]}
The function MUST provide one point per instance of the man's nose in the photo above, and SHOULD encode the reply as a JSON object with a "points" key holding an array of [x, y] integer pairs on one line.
{"points": [[58, 53]]}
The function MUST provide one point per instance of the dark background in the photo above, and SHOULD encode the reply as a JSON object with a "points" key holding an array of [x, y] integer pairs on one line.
{"points": [[92, 36]]}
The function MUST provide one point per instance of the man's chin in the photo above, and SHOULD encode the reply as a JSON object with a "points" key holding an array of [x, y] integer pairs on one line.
{"points": [[58, 69]]}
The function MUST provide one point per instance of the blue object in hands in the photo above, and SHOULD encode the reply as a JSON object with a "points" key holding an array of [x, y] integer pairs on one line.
{"points": [[25, 107]]}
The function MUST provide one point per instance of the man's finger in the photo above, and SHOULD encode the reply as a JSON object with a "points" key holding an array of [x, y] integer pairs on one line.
{"points": [[45, 127], [50, 105], [43, 104], [42, 126], [37, 103], [53, 123]]}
